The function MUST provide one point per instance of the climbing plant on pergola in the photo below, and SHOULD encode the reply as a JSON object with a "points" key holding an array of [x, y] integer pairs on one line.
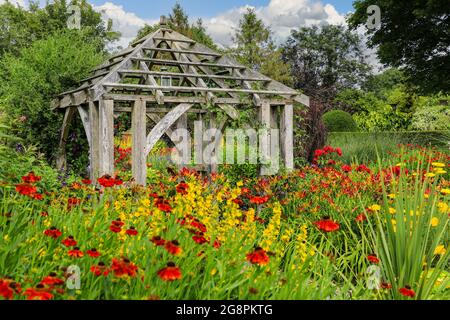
{"points": [[135, 80]]}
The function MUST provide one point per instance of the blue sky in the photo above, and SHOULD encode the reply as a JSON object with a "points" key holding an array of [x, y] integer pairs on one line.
{"points": [[201, 8]]}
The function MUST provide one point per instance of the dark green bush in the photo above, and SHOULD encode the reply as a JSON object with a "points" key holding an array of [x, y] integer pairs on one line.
{"points": [[339, 121]]}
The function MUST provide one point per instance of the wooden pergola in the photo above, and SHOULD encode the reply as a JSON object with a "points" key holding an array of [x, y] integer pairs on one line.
{"points": [[161, 78]]}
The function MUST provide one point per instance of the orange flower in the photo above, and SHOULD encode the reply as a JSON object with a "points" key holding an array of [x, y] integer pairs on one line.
{"points": [[258, 257], [170, 273], [173, 247]]}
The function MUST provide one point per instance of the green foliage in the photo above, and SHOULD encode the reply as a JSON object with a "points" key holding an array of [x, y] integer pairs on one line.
{"points": [[255, 48], [22, 27], [179, 21], [413, 36], [325, 60], [433, 113], [30, 81], [339, 121]]}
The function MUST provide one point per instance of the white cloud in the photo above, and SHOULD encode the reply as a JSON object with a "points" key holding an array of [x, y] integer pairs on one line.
{"points": [[128, 23], [281, 15]]}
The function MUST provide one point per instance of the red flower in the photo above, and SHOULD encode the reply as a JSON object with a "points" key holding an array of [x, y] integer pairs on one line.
{"points": [[75, 252], [170, 273], [338, 151], [385, 285], [407, 292], [26, 189], [69, 242], [373, 258], [132, 231], [116, 226], [37, 196], [346, 168], [327, 225], [31, 178], [158, 241], [200, 239], [93, 253], [100, 269], [173, 247], [163, 205], [259, 200], [363, 168], [8, 288], [109, 182], [182, 188], [72, 202], [123, 267], [53, 232], [258, 257], [217, 244], [38, 293], [361, 217], [52, 280], [86, 181], [198, 225]]}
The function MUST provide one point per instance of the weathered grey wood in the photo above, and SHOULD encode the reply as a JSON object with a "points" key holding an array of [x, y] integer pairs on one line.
{"points": [[198, 140], [287, 136], [155, 110], [84, 115], [265, 141], [106, 130], [191, 100], [61, 160], [189, 41], [177, 63], [94, 149], [202, 53], [151, 81], [166, 122], [139, 134], [190, 75], [194, 89]]}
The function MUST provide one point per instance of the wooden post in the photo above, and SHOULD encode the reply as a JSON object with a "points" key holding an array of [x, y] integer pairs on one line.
{"points": [[61, 160], [182, 124], [106, 131], [139, 135], [264, 143], [198, 140], [287, 136], [94, 148]]}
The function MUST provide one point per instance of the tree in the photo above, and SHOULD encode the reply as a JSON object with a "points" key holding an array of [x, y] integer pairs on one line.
{"points": [[20, 27], [31, 79], [413, 36], [179, 21], [255, 48], [325, 61]]}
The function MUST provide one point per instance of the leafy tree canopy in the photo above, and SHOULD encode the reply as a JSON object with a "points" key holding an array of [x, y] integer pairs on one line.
{"points": [[325, 61], [413, 36]]}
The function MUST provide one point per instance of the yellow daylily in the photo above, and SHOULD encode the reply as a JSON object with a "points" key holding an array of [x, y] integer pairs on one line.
{"points": [[438, 164], [440, 250]]}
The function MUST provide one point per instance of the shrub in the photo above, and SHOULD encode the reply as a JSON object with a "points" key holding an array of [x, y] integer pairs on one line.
{"points": [[339, 121], [30, 81]]}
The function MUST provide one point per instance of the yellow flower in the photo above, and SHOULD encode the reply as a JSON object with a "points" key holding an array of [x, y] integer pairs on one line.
{"points": [[445, 191], [392, 196], [213, 271], [440, 171], [438, 164], [239, 184], [400, 164], [430, 175], [392, 210], [375, 207], [434, 222], [440, 250]]}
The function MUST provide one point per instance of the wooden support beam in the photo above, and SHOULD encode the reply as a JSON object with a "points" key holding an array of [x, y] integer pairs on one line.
{"points": [[195, 89], [94, 149], [139, 134], [106, 131], [265, 141], [189, 75], [155, 110], [61, 160], [287, 136], [175, 40], [166, 122], [197, 64], [202, 53]]}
